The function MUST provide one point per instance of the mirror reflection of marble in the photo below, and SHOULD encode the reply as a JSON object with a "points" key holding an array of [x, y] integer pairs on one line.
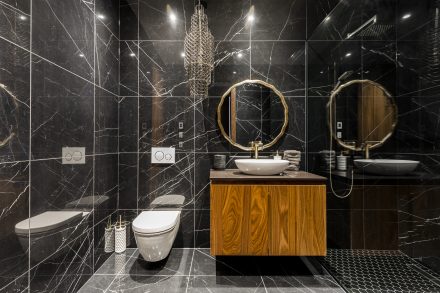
{"points": [[252, 110], [8, 110], [361, 112]]}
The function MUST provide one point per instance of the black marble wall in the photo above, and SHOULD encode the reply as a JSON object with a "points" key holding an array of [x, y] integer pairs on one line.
{"points": [[155, 96], [60, 61], [302, 48]]}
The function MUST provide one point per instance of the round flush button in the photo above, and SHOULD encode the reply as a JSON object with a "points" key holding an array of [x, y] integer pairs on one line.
{"points": [[77, 156], [159, 156], [168, 157], [68, 157]]}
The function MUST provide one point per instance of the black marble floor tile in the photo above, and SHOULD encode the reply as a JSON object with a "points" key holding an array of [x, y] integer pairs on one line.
{"points": [[205, 264], [312, 283], [242, 284], [177, 263], [116, 262], [97, 283], [195, 270], [156, 284]]}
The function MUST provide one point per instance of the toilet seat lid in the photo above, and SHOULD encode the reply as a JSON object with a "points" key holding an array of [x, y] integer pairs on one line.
{"points": [[46, 221], [155, 221]]}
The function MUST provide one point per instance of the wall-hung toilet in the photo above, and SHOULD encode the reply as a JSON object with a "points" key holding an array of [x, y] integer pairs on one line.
{"points": [[48, 232], [155, 232]]}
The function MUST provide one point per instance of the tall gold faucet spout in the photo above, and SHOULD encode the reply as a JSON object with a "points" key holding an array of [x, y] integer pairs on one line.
{"points": [[256, 146]]}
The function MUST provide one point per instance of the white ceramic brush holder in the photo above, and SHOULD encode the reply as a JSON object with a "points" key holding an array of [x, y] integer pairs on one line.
{"points": [[120, 238], [109, 239]]}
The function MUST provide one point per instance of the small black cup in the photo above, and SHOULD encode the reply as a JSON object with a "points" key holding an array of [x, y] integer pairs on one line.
{"points": [[219, 162]]}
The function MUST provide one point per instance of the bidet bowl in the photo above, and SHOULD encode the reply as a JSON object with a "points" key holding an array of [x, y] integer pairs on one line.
{"points": [[261, 166]]}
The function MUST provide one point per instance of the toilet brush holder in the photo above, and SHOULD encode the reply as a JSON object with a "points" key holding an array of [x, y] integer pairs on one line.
{"points": [[127, 229], [109, 239], [120, 238]]}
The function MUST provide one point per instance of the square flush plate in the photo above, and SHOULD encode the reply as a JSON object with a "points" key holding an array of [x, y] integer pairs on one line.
{"points": [[163, 155], [73, 155]]}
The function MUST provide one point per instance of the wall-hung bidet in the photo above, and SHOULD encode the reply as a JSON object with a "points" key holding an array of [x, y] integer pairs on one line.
{"points": [[156, 230]]}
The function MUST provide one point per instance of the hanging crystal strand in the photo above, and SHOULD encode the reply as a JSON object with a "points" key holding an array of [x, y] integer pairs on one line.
{"points": [[199, 53]]}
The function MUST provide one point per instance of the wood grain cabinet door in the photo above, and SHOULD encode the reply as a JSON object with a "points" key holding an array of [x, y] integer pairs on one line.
{"points": [[297, 223], [239, 220], [268, 219]]}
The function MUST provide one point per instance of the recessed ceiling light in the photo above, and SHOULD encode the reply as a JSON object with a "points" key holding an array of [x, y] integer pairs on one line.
{"points": [[321, 72], [172, 16], [182, 54], [100, 16], [348, 54], [239, 55], [327, 18], [234, 72], [81, 55], [132, 54], [22, 17], [406, 16], [251, 18]]}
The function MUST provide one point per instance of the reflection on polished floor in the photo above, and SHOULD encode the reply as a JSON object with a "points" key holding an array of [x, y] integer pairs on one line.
{"points": [[195, 270]]}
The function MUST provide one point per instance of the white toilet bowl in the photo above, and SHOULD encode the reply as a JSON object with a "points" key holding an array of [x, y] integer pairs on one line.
{"points": [[155, 232], [48, 231]]}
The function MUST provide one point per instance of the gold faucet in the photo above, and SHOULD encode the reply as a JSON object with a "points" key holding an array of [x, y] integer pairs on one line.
{"points": [[256, 146], [367, 145]]}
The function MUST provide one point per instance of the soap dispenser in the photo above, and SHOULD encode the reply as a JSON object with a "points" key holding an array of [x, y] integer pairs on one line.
{"points": [[277, 157]]}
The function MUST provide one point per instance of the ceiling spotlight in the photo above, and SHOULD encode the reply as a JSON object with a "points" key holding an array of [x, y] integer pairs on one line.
{"points": [[132, 54], [100, 16], [172, 16], [239, 55], [348, 54], [327, 18], [22, 17], [406, 16], [251, 18], [182, 54], [234, 72], [81, 55], [321, 72]]}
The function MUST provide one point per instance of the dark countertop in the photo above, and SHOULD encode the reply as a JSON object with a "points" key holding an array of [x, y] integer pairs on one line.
{"points": [[234, 175], [366, 179]]}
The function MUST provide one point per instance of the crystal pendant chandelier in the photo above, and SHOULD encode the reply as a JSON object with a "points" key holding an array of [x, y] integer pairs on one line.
{"points": [[199, 53]]}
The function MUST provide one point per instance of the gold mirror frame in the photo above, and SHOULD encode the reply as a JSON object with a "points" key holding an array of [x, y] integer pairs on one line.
{"points": [[330, 121], [283, 102]]}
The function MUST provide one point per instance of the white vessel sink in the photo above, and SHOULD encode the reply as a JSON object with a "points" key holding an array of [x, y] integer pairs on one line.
{"points": [[386, 167], [261, 166]]}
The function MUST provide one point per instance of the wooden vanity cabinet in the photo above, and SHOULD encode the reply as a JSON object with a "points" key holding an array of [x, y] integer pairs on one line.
{"points": [[268, 219]]}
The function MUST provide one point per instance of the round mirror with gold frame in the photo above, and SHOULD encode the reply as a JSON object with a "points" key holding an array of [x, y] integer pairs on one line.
{"points": [[252, 110], [361, 113]]}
